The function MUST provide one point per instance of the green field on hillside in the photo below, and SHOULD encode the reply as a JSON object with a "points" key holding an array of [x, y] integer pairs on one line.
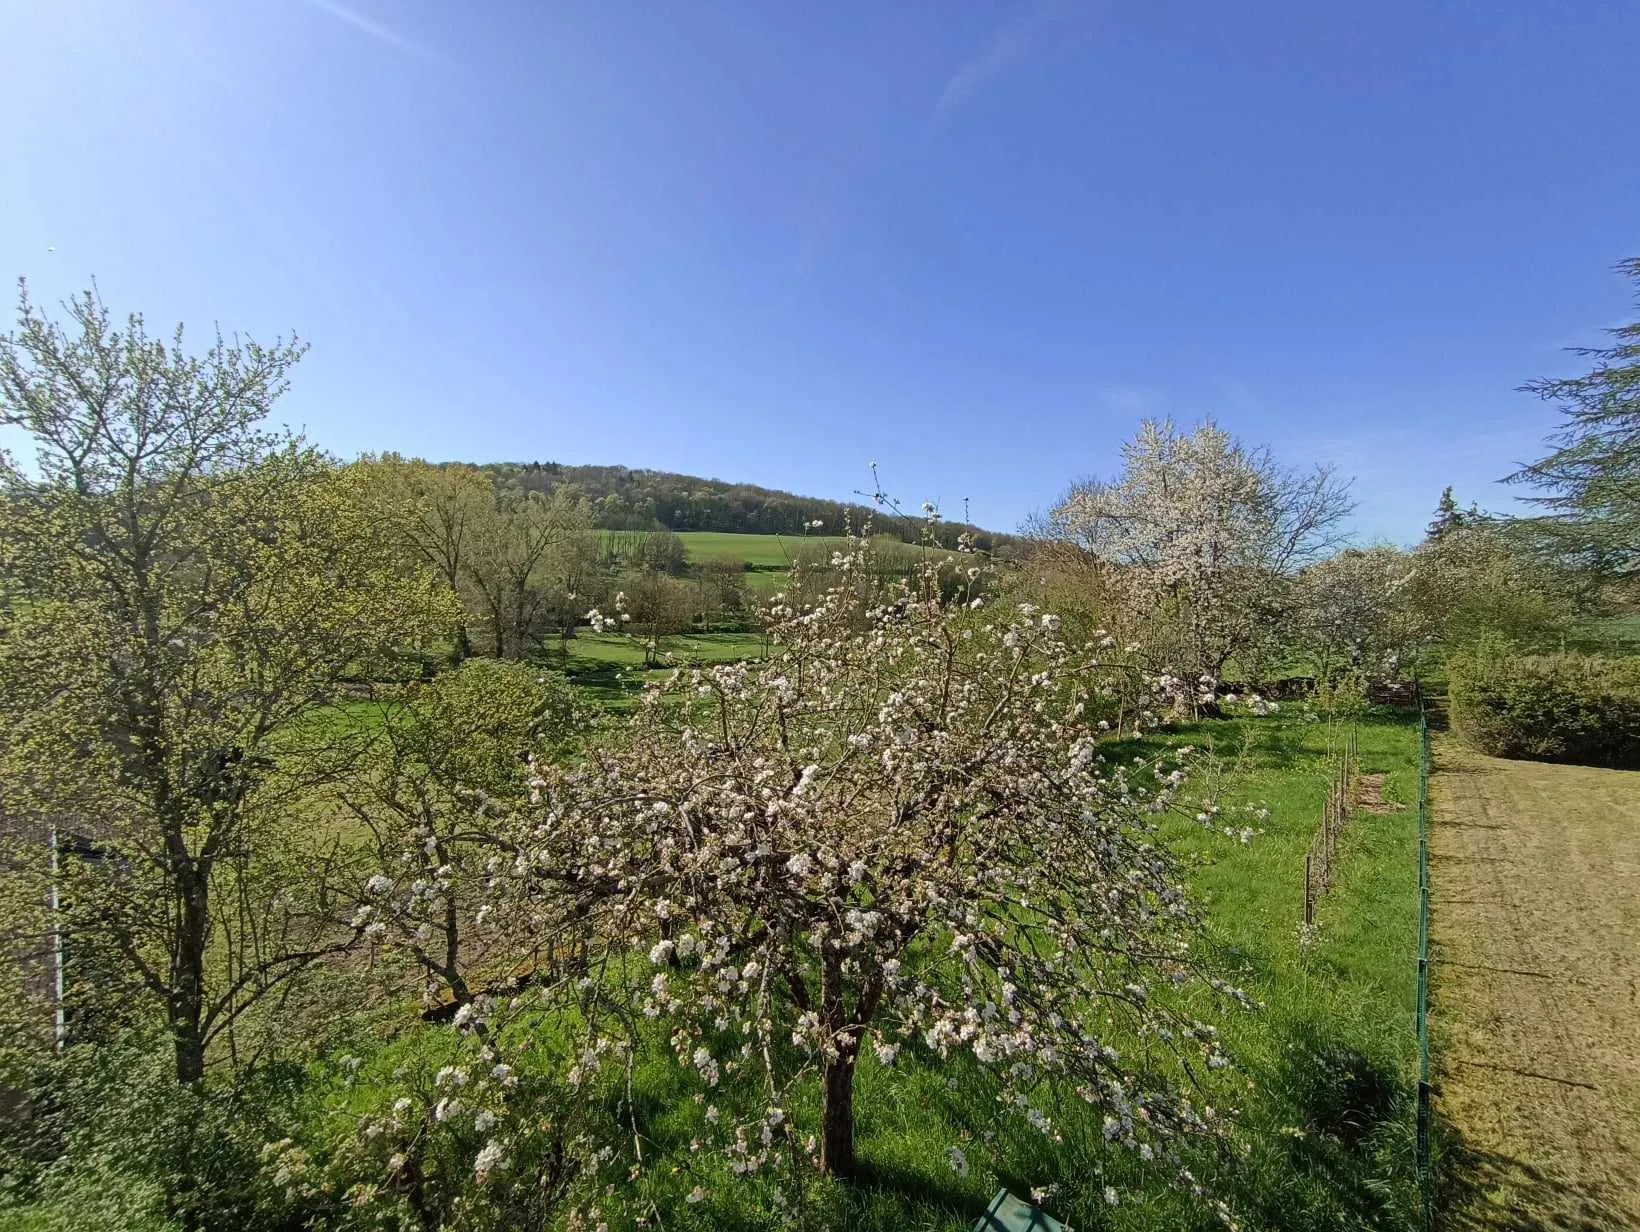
{"points": [[758, 551]]}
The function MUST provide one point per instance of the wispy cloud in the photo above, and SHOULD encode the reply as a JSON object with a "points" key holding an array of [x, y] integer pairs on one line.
{"points": [[379, 31], [1002, 54]]}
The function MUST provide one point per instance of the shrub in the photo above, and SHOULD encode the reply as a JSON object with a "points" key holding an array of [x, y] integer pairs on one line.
{"points": [[103, 1137], [1342, 695], [1560, 707]]}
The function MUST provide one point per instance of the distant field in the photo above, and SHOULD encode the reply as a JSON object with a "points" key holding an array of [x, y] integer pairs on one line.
{"points": [[1608, 635], [340, 719], [764, 582], [683, 648], [761, 551], [608, 668]]}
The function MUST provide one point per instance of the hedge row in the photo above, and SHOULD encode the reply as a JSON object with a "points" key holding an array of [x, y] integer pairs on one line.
{"points": [[1559, 707]]}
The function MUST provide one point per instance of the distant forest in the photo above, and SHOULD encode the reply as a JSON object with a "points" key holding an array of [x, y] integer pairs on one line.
{"points": [[627, 499]]}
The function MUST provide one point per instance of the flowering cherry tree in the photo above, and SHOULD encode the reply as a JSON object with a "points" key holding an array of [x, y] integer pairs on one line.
{"points": [[896, 833], [1354, 609], [1190, 550]]}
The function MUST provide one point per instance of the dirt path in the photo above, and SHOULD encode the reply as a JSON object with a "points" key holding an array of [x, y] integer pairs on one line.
{"points": [[1535, 908]]}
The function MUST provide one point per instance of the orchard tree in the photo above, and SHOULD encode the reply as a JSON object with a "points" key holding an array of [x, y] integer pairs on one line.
{"points": [[660, 605], [1189, 551], [450, 765], [896, 835], [195, 586], [437, 796], [574, 581], [1355, 610], [720, 589]]}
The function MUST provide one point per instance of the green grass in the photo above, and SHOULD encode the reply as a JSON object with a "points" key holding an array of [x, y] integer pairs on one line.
{"points": [[1325, 1076], [764, 582], [1613, 635], [759, 551], [1331, 1056], [609, 668], [337, 721], [1327, 1064], [682, 648]]}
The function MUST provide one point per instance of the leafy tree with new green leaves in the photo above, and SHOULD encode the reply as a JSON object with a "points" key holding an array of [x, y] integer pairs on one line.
{"points": [[1352, 611], [1482, 579], [435, 514], [519, 538], [1590, 481], [195, 590]]}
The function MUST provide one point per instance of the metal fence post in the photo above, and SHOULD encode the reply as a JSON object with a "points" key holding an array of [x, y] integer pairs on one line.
{"points": [[1426, 1180]]}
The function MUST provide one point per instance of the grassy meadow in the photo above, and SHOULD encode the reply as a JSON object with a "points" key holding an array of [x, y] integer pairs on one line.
{"points": [[767, 558], [610, 670], [1329, 1058], [1324, 1080], [1325, 1067], [757, 551], [1323, 1086]]}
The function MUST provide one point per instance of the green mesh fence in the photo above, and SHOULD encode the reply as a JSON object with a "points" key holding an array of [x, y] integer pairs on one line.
{"points": [[1426, 1186]]}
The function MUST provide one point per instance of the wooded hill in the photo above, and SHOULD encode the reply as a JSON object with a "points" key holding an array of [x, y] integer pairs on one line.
{"points": [[626, 499]]}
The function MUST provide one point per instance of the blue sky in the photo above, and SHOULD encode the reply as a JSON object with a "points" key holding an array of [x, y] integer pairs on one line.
{"points": [[774, 242]]}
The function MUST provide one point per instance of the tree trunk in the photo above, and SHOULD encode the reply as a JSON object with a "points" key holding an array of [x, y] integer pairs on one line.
{"points": [[513, 641], [837, 1116], [498, 624], [187, 1000]]}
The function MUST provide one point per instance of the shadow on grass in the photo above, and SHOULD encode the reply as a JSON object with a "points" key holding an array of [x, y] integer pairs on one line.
{"points": [[1346, 1096], [1348, 1161], [1487, 1191], [923, 1200]]}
